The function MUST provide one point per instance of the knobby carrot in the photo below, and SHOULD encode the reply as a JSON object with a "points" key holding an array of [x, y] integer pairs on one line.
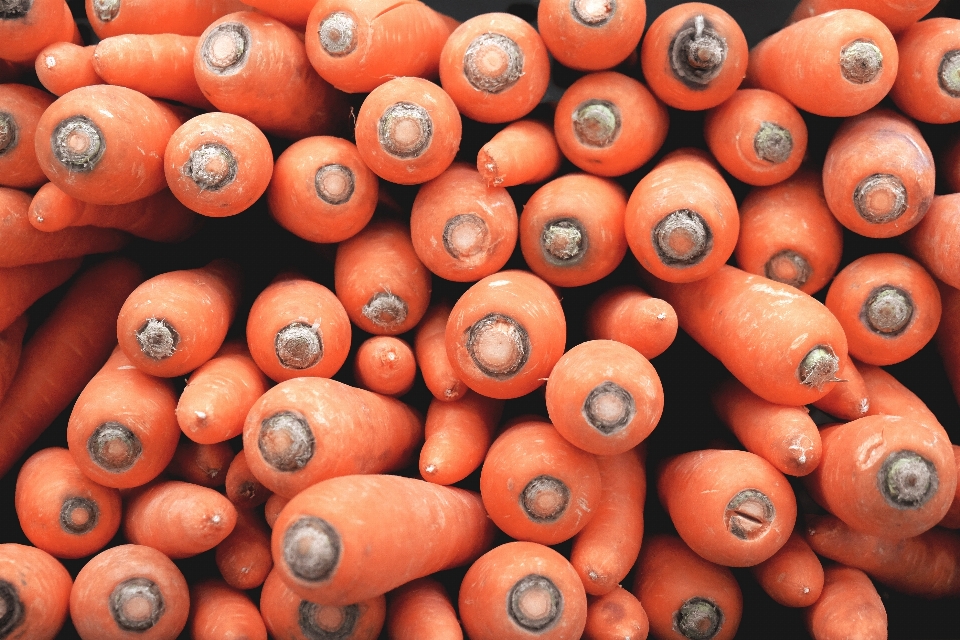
{"points": [[932, 242], [849, 400], [64, 66], [186, 17], [202, 464], [26, 27], [243, 557], [519, 589], [20, 110], [11, 346], [385, 365], [457, 436], [616, 615], [429, 345], [591, 36], [220, 612], [948, 336], [242, 487], [37, 589], [897, 15], [327, 553], [630, 315], [78, 336], [793, 576], [927, 87], [848, 607], [523, 152], [421, 610], [20, 287], [272, 507]]}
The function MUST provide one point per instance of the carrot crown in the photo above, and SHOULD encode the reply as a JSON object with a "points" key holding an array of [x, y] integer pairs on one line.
{"points": [[545, 499], [385, 310], [682, 238], [907, 480], [105, 10], [773, 143], [498, 345], [136, 604], [79, 515], [465, 235], [492, 63], [596, 123], [9, 133], [158, 340], [286, 441], [13, 9], [880, 198], [788, 267], [299, 345], [78, 143], [405, 130], [697, 53], [535, 603], [114, 447], [212, 166], [608, 407], [591, 13], [338, 34], [226, 48], [698, 619], [335, 183], [563, 241], [888, 310], [312, 549], [948, 74], [325, 621], [861, 61], [13, 608]]}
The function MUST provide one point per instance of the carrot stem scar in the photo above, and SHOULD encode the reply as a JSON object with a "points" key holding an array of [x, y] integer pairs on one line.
{"points": [[788, 267], [698, 619], [492, 63], [106, 10], [335, 183], [326, 622], [596, 123], [13, 9], [286, 441], [907, 480], [226, 48], [299, 345], [880, 198], [338, 34], [498, 345], [888, 310], [545, 498], [861, 61], [536, 604], [311, 549], [405, 130], [79, 515], [563, 241], [608, 407], [773, 143], [8, 132], [465, 235], [818, 367], [211, 166], [385, 310], [682, 238], [11, 608], [157, 339], [948, 75], [697, 53], [78, 143], [749, 514], [593, 13], [136, 604], [114, 447]]}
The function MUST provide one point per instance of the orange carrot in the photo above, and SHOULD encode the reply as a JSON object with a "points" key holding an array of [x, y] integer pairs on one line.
{"points": [[897, 15], [176, 321], [463, 229], [591, 36], [927, 87], [429, 345], [242, 487], [849, 400], [520, 589], [523, 152], [271, 509], [11, 346], [385, 365], [78, 336], [186, 17], [306, 430], [630, 315], [848, 607], [327, 553], [64, 66], [129, 591], [849, 70], [20, 287], [321, 190], [793, 576], [889, 397], [292, 13], [932, 242], [202, 464], [37, 590], [457, 435], [20, 110], [243, 557], [220, 612], [616, 615], [27, 26], [421, 610]]}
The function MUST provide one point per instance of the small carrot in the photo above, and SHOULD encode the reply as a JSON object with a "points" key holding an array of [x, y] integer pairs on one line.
{"points": [[242, 487], [932, 241], [495, 67], [243, 557], [20, 110], [20, 287], [186, 17], [11, 346], [201, 464], [591, 36], [26, 27], [63, 66], [519, 589], [927, 87], [220, 612], [421, 610], [272, 508], [61, 510], [897, 15], [457, 436], [630, 315], [463, 229], [523, 152], [385, 365], [37, 590], [129, 591], [430, 347], [792, 576], [176, 321], [848, 607], [616, 615], [849, 400]]}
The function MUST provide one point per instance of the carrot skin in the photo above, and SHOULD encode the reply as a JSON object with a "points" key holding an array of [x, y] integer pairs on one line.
{"points": [[591, 38], [64, 66], [848, 607], [272, 508], [933, 241], [242, 487], [896, 15], [385, 365], [888, 396], [20, 287], [457, 436], [28, 28], [793, 576], [429, 346], [11, 347], [630, 315], [421, 610], [201, 464], [243, 557], [184, 17], [39, 587], [616, 615], [925, 88], [849, 400], [219, 612], [523, 152], [21, 108]]}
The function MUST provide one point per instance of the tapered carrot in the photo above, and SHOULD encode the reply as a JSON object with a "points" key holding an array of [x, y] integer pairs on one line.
{"points": [[889, 397], [242, 487], [505, 334], [457, 436], [616, 615], [64, 66], [272, 507], [421, 610], [36, 589], [591, 36], [951, 520], [20, 287], [383, 286], [306, 430], [694, 56], [927, 87], [27, 26], [385, 365], [201, 464], [684, 595], [429, 345], [495, 67], [853, 67], [408, 130], [793, 576], [220, 612], [243, 557], [11, 346], [849, 400], [176, 321], [78, 336], [257, 68], [186, 17], [780, 343], [461, 228], [519, 589], [932, 242], [327, 553], [321, 190], [848, 607], [897, 15], [20, 110], [129, 591], [523, 152], [632, 316], [681, 220]]}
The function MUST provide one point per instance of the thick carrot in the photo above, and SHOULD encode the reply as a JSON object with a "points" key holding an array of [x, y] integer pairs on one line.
{"points": [[630, 315], [421, 610], [220, 612], [321, 190], [385, 365], [505, 334], [849, 400], [327, 553], [176, 321], [64, 66], [129, 591], [186, 17], [793, 576], [306, 430], [463, 229], [242, 487], [681, 219], [61, 510], [933, 241], [457, 436], [27, 26], [519, 589], [202, 464], [78, 336], [272, 507], [848, 607], [430, 347], [11, 346], [694, 56], [523, 152], [591, 36], [20, 110], [36, 589], [616, 615], [495, 67], [20, 287], [927, 87], [243, 557], [897, 15]]}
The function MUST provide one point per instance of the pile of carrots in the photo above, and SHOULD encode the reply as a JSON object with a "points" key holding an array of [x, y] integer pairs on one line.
{"points": [[347, 319]]}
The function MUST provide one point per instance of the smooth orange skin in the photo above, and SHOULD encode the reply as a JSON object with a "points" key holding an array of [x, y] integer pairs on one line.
{"points": [[429, 345], [46, 22], [11, 346], [186, 17], [888, 396], [292, 13], [220, 612], [272, 508], [64, 66], [917, 90], [792, 576], [243, 557], [523, 152], [201, 464], [43, 586], [934, 243], [848, 607], [615, 616], [630, 315], [849, 400], [421, 610], [897, 15], [591, 47], [20, 287], [242, 487], [19, 167], [385, 365], [457, 435]]}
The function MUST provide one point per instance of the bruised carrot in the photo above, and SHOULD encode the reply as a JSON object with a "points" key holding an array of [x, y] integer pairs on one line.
{"points": [[20, 110], [848, 607], [186, 17], [78, 336], [243, 557], [849, 400], [429, 345], [176, 321], [523, 152], [63, 66], [897, 15], [927, 87], [201, 464], [793, 576], [385, 365], [219, 612], [421, 610], [616, 615], [327, 553], [271, 509], [242, 487], [11, 346], [457, 436], [27, 26], [463, 229], [591, 36], [20, 287], [932, 241], [129, 591], [37, 589], [632, 316]]}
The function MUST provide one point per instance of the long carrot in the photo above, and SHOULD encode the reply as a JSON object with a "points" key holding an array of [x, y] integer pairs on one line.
{"points": [[848, 607], [27, 27], [242, 487], [64, 66], [186, 17], [793, 576], [591, 36], [932, 242], [429, 345], [201, 464], [20, 110], [928, 84], [630, 315], [11, 346], [220, 612], [421, 610], [385, 365], [458, 434], [37, 590], [523, 152], [20, 287], [616, 615], [243, 557], [897, 15]]}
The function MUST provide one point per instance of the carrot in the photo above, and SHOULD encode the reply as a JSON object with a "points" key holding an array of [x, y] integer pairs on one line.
{"points": [[201, 464], [21, 286], [792, 576], [536, 486], [27, 26], [849, 607], [932, 242], [519, 589], [888, 305], [591, 36], [243, 557], [928, 80], [36, 588], [849, 400], [781, 344], [176, 321], [254, 67], [321, 190], [408, 130], [889, 397], [952, 518], [784, 436], [20, 110], [159, 217], [694, 56], [11, 346], [463, 229], [630, 315], [158, 65], [63, 66], [385, 365], [788, 234], [523, 152], [357, 45], [457, 435], [292, 13], [383, 286], [616, 615], [421, 610], [851, 68], [495, 67], [271, 509], [681, 220], [61, 510], [429, 345], [327, 553], [757, 136], [186, 17], [220, 612], [129, 591], [948, 336], [242, 487], [897, 15], [607, 547], [571, 229], [684, 595], [289, 616], [885, 475], [505, 334], [306, 430], [77, 336]]}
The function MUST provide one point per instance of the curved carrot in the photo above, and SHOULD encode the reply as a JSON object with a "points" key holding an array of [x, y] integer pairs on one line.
{"points": [[927, 87], [243, 557], [457, 436], [793, 576], [26, 27], [591, 36], [932, 242], [616, 615], [37, 588], [523, 152], [272, 508], [64, 66], [519, 589], [430, 347], [385, 365], [848, 607], [11, 346], [201, 464], [186, 17], [897, 15], [630, 315], [242, 487], [20, 110], [421, 610], [20, 287], [463, 229], [220, 612], [849, 400]]}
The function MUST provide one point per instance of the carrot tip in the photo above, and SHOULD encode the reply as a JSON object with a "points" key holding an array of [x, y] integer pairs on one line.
{"points": [[335, 183], [114, 447], [788, 267], [325, 621], [78, 143], [697, 53], [861, 61], [385, 310], [79, 515], [286, 441], [157, 339], [430, 469], [545, 499], [819, 367], [211, 166], [12, 608], [593, 13], [562, 241], [226, 48], [136, 604], [773, 143], [698, 619], [749, 514], [311, 549], [682, 238], [880, 198], [608, 407], [888, 310], [949, 73], [535, 603], [465, 236], [498, 345], [106, 10], [596, 123], [492, 63], [405, 130], [908, 480], [299, 345], [13, 9], [9, 133], [338, 34]]}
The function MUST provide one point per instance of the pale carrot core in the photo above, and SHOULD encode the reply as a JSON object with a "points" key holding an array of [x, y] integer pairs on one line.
{"points": [[8, 132], [78, 143], [788, 267], [535, 603], [593, 13], [106, 10], [697, 53], [226, 48], [338, 34], [563, 241], [212, 166], [334, 183], [698, 619], [880, 198], [818, 367], [608, 407], [136, 604], [908, 480], [405, 130], [157, 338], [948, 75], [11, 608], [861, 61], [113, 447], [773, 143], [545, 499], [596, 123], [78, 515], [299, 345], [492, 62], [311, 549], [326, 622], [286, 441], [682, 238], [749, 514], [498, 345], [888, 310], [466, 235], [385, 310]]}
